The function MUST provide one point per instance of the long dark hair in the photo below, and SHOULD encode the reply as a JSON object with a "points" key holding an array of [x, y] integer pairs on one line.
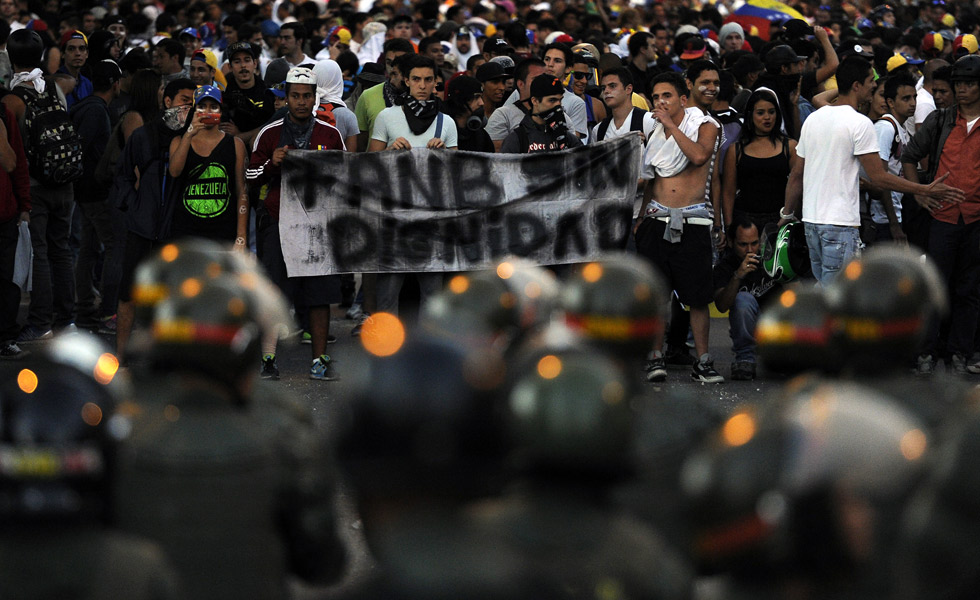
{"points": [[145, 94], [748, 133]]}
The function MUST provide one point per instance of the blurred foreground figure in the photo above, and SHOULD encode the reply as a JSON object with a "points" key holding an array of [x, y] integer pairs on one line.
{"points": [[233, 483], [800, 499], [938, 557], [57, 469]]}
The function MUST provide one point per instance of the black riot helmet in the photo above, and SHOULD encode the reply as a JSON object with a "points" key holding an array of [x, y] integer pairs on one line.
{"points": [[570, 417], [771, 493], [424, 420], [616, 303], [476, 307], [882, 304], [56, 452], [794, 333], [207, 326]]}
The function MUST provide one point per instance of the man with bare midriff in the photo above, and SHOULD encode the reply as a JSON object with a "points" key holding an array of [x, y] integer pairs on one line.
{"points": [[675, 231]]}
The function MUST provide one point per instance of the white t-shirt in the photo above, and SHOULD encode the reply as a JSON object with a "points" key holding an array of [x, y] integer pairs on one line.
{"points": [[924, 104], [612, 132], [391, 124], [886, 136], [831, 140]]}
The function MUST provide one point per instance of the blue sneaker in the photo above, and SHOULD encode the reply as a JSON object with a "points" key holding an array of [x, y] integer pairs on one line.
{"points": [[30, 334], [322, 369]]}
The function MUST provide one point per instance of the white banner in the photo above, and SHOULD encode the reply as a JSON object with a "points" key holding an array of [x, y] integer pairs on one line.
{"points": [[443, 210]]}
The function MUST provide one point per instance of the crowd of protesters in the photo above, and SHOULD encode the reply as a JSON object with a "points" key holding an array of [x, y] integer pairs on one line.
{"points": [[177, 116]]}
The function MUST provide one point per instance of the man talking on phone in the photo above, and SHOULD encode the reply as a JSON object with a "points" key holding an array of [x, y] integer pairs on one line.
{"points": [[741, 288]]}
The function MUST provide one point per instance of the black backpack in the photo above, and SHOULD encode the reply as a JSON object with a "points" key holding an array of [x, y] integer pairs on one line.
{"points": [[54, 150], [636, 123]]}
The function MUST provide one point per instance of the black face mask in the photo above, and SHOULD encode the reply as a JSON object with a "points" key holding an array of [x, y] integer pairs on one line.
{"points": [[554, 119]]}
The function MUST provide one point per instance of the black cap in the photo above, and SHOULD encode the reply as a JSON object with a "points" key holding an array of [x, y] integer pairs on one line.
{"points": [[546, 85], [489, 71], [797, 28], [237, 47], [372, 73], [105, 73], [497, 46], [855, 50], [464, 88], [781, 55]]}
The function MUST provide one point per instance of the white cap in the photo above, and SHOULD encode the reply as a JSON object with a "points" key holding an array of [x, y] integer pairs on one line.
{"points": [[301, 75]]}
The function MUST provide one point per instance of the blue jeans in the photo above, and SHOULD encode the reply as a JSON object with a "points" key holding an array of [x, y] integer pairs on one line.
{"points": [[742, 317], [831, 247]]}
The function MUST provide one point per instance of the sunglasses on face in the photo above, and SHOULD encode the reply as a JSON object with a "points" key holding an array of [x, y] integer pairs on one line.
{"points": [[580, 75]]}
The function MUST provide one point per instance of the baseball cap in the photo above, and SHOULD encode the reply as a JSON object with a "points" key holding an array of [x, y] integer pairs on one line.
{"points": [[686, 29], [498, 46], [781, 55], [269, 28], [279, 90], [506, 62], [900, 60], [191, 32], [301, 75], [693, 48], [73, 35], [207, 57], [546, 85], [856, 50], [237, 47], [338, 33], [207, 91], [489, 71], [797, 28], [464, 87], [463, 30], [932, 43], [965, 44], [105, 72], [371, 73]]}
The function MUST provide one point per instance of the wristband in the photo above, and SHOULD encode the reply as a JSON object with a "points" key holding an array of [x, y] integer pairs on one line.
{"points": [[782, 215]]}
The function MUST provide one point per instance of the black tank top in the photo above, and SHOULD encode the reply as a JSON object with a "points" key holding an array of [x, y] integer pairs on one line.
{"points": [[761, 181], [205, 206]]}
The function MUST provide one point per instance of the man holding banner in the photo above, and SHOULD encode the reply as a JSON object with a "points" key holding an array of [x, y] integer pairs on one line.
{"points": [[299, 129], [675, 233], [415, 124]]}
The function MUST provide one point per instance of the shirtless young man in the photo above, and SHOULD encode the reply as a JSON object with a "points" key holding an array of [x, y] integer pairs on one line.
{"points": [[675, 233]]}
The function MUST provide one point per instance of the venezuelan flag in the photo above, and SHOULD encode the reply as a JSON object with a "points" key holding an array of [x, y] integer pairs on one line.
{"points": [[760, 13]]}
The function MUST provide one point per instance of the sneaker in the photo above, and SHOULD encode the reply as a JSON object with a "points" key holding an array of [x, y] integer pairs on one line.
{"points": [[30, 334], [322, 369], [973, 365], [656, 368], [354, 312], [957, 365], [270, 370], [11, 351], [925, 365], [107, 325], [704, 371], [356, 331], [678, 356], [743, 371], [305, 338]]}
